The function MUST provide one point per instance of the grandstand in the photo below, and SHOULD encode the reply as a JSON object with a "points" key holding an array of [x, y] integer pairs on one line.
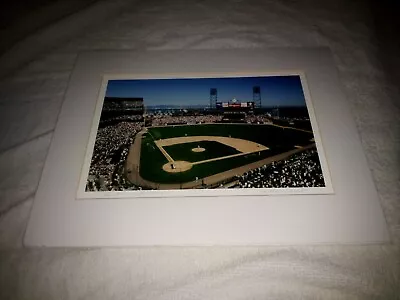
{"points": [[125, 105], [121, 109]]}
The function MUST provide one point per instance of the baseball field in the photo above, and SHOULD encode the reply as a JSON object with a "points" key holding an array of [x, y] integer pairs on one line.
{"points": [[183, 154]]}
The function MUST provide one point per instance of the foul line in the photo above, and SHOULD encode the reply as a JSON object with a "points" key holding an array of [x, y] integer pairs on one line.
{"points": [[167, 156], [223, 157], [294, 128], [170, 159]]}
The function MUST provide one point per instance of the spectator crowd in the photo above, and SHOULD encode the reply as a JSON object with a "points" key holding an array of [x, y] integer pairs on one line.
{"points": [[131, 118], [259, 119], [165, 119], [299, 170], [162, 120], [110, 152]]}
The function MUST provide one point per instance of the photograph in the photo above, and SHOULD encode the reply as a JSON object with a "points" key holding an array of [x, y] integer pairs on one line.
{"points": [[205, 133]]}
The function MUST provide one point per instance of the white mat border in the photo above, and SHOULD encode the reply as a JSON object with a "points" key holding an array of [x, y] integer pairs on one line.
{"points": [[351, 215]]}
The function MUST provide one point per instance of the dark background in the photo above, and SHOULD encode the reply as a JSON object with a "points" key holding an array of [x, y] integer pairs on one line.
{"points": [[18, 19]]}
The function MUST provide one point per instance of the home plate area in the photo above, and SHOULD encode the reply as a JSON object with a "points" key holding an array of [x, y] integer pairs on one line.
{"points": [[177, 166]]}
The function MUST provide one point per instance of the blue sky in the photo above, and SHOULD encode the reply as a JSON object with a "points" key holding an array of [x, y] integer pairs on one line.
{"points": [[275, 90]]}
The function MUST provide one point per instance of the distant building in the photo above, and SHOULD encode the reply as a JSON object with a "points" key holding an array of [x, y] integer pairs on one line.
{"points": [[120, 110], [125, 105]]}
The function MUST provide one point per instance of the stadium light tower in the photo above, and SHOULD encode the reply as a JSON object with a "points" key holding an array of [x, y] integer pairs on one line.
{"points": [[213, 98], [257, 96]]}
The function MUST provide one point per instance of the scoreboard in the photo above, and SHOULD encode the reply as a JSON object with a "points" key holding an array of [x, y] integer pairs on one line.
{"points": [[235, 105]]}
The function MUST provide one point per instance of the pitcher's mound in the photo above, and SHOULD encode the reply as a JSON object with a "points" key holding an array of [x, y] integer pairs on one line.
{"points": [[177, 166], [198, 149]]}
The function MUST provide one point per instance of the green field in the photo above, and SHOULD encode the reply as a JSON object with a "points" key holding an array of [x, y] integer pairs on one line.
{"points": [[151, 161], [213, 150], [277, 139], [266, 135]]}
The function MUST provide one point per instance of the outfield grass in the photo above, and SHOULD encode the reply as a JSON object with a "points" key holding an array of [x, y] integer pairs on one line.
{"points": [[267, 135], [151, 162], [222, 165], [152, 170], [213, 150], [151, 159]]}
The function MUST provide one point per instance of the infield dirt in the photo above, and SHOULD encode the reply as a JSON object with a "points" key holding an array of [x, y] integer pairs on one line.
{"points": [[240, 145]]}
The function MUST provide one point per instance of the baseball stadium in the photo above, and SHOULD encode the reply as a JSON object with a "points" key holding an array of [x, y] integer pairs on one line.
{"points": [[225, 143]]}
